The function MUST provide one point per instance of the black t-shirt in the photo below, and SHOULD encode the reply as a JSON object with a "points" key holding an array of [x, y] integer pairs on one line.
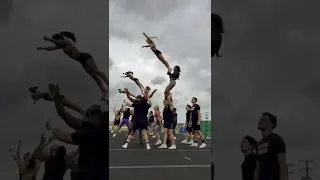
{"points": [[141, 109], [167, 115], [175, 117], [195, 108], [126, 115], [188, 116], [249, 166], [93, 147], [268, 150]]}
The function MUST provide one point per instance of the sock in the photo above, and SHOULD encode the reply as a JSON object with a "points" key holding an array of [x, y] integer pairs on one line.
{"points": [[128, 141], [147, 142], [202, 141]]}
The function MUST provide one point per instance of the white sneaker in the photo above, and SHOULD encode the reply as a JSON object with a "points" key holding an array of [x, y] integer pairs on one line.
{"points": [[175, 137], [184, 142], [114, 135], [203, 145], [194, 145], [173, 147], [148, 146], [163, 146], [151, 134], [154, 136], [158, 142], [125, 146], [190, 142]]}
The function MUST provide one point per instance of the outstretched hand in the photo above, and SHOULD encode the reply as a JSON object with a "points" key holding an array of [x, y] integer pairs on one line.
{"points": [[54, 90]]}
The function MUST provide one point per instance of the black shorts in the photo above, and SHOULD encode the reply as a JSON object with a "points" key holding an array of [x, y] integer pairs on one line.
{"points": [[157, 52], [195, 127], [140, 125], [83, 58], [116, 122], [135, 79], [168, 125], [189, 129]]}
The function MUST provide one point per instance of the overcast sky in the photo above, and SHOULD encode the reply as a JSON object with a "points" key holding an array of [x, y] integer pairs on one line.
{"points": [[22, 66], [270, 63], [183, 30]]}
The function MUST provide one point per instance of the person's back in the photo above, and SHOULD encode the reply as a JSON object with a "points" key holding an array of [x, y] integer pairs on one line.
{"points": [[55, 168], [93, 151]]}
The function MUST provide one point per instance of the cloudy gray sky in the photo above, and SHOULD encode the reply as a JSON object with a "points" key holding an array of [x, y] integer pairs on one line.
{"points": [[22, 66], [271, 64], [182, 27]]}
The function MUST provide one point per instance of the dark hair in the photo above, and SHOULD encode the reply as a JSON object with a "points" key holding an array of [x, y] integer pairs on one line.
{"points": [[26, 154], [151, 112], [273, 119], [252, 141], [188, 106], [32, 163], [148, 88], [174, 109], [69, 35], [128, 109], [217, 22], [61, 151], [57, 36], [195, 99], [178, 68], [33, 89]]}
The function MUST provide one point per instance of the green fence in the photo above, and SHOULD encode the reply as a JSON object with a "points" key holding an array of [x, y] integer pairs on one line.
{"points": [[206, 128]]}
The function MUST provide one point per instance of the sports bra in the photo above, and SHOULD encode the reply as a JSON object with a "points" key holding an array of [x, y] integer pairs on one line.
{"points": [[152, 45], [174, 75]]}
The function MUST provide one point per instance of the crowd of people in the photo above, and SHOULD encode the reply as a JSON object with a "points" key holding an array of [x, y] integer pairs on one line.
{"points": [[136, 116], [90, 127]]}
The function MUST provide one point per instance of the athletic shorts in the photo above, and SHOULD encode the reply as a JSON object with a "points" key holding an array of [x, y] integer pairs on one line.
{"points": [[116, 122], [140, 125], [195, 127], [189, 129], [168, 125], [125, 121]]}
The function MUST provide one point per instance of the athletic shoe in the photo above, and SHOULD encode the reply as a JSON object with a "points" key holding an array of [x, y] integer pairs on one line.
{"points": [[158, 142], [173, 147], [190, 142], [114, 135], [154, 136], [125, 146], [203, 145], [194, 145], [163, 146], [184, 142], [148, 146]]}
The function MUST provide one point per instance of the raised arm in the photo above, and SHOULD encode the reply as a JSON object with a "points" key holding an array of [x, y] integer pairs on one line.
{"points": [[55, 41], [60, 134], [70, 120], [39, 152], [154, 91], [51, 48], [16, 157], [130, 96], [170, 102], [128, 103]]}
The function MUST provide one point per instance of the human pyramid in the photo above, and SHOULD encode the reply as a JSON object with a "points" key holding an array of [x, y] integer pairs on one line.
{"points": [[141, 103], [90, 130]]}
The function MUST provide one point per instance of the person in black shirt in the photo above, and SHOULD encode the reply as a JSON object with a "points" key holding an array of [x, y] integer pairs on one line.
{"points": [[195, 120], [151, 122], [168, 124], [248, 166], [188, 127], [124, 121], [175, 122], [271, 151], [141, 107], [216, 34], [91, 137]]}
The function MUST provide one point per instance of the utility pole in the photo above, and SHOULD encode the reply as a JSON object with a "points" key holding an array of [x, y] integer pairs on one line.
{"points": [[306, 168], [290, 172]]}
